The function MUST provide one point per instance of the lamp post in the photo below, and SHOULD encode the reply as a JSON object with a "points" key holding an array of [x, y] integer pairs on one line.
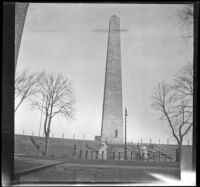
{"points": [[125, 151]]}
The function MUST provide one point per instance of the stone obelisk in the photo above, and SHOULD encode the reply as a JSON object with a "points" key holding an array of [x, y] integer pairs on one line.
{"points": [[112, 116]]}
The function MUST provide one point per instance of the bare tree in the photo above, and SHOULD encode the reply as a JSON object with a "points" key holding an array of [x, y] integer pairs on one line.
{"points": [[183, 85], [25, 86], [174, 102], [54, 97], [185, 16], [183, 82]]}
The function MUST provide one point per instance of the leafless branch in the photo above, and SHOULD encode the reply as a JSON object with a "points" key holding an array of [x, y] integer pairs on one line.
{"points": [[26, 84]]}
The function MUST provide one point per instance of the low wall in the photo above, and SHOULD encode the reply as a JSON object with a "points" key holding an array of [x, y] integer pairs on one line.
{"points": [[87, 149]]}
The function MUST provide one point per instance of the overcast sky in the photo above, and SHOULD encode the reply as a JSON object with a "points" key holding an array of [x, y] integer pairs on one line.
{"points": [[65, 38]]}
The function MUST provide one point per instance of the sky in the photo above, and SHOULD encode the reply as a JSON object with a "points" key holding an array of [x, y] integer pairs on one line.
{"points": [[72, 39]]}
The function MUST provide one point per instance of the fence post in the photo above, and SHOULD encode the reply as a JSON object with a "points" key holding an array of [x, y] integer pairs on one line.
{"points": [[119, 156], [159, 155], [91, 155], [113, 155], [131, 155], [86, 154], [97, 155], [74, 152], [154, 157], [80, 155], [165, 157], [170, 157], [102, 155]]}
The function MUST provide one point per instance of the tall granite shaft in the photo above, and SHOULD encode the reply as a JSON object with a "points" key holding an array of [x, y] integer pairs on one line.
{"points": [[112, 117]]}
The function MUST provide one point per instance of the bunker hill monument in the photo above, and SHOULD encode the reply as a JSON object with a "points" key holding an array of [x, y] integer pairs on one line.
{"points": [[112, 115]]}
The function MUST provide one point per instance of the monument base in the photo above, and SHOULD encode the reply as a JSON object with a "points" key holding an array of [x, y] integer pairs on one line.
{"points": [[112, 141]]}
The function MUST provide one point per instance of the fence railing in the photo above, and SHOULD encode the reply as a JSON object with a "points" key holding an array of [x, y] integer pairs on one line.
{"points": [[134, 155]]}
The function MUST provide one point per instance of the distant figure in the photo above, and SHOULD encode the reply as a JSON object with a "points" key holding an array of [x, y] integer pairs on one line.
{"points": [[144, 150], [103, 150]]}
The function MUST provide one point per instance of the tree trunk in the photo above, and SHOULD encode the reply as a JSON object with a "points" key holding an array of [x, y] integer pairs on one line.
{"points": [[180, 149], [19, 103], [47, 136], [180, 158], [46, 143]]}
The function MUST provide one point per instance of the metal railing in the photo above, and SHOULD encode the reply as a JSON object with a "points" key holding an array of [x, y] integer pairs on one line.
{"points": [[115, 155]]}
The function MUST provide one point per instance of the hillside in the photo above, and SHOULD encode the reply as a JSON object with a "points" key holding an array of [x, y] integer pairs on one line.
{"points": [[60, 147]]}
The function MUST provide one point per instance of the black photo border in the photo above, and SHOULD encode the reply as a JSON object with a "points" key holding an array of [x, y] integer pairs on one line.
{"points": [[8, 74]]}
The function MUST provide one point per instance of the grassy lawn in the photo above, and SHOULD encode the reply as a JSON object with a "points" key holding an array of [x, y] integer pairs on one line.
{"points": [[96, 171], [20, 165], [24, 163], [88, 174]]}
